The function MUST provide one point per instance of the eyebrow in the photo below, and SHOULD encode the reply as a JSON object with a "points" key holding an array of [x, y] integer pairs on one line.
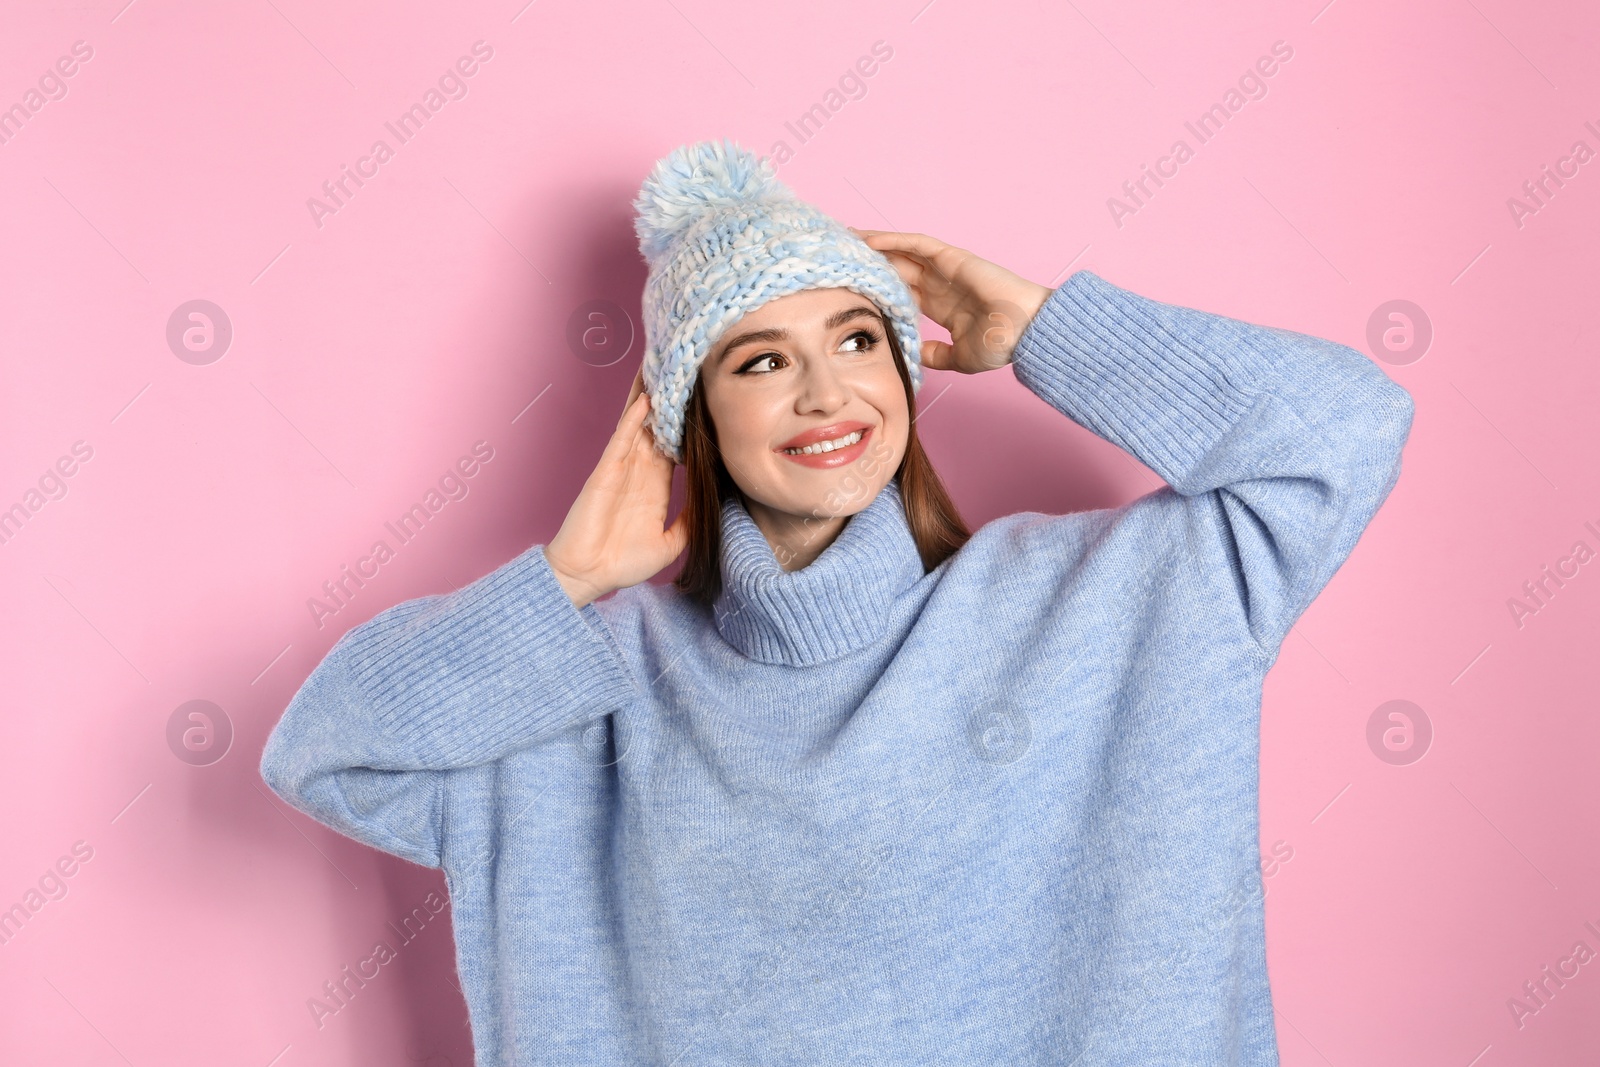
{"points": [[780, 333]]}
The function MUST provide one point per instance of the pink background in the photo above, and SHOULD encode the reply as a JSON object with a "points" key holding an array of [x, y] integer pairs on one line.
{"points": [[432, 310]]}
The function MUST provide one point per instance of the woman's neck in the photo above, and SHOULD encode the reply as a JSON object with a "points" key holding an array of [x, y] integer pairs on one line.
{"points": [[796, 540]]}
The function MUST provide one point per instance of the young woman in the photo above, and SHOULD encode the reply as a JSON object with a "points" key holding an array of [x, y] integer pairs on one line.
{"points": [[862, 786]]}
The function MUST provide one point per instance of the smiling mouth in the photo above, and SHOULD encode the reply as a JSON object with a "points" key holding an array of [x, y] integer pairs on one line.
{"points": [[822, 447]]}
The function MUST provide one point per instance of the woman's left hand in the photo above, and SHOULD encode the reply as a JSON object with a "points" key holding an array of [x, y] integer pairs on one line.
{"points": [[984, 306]]}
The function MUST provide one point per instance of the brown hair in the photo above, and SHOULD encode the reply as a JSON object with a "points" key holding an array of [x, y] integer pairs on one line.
{"points": [[936, 524]]}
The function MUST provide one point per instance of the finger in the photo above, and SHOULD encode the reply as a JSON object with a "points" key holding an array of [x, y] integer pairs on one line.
{"points": [[926, 281], [936, 355], [937, 307], [650, 449], [911, 270], [677, 535], [930, 248], [907, 254], [638, 413], [908, 264], [644, 436], [636, 388], [925, 267], [939, 258], [628, 430], [920, 299], [647, 449]]}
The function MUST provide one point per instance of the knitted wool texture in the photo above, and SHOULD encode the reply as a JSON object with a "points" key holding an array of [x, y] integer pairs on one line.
{"points": [[723, 236]]}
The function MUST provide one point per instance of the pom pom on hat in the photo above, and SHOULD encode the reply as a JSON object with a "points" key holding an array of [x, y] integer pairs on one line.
{"points": [[694, 179]]}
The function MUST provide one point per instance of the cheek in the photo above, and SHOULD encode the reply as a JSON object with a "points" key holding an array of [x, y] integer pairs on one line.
{"points": [[744, 425], [882, 389], [885, 394]]}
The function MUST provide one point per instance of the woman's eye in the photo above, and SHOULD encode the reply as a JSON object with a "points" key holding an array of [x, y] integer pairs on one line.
{"points": [[867, 336], [751, 367]]}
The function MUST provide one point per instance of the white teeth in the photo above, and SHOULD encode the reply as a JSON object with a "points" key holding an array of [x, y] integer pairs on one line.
{"points": [[825, 446]]}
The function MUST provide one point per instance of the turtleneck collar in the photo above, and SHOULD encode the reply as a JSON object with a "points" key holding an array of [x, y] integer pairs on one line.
{"points": [[838, 603]]}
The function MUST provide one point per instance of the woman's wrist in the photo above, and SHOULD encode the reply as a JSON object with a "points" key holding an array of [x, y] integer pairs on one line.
{"points": [[1030, 297], [579, 591]]}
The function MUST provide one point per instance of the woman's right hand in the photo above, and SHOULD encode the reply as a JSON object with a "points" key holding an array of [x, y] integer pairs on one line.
{"points": [[613, 535]]}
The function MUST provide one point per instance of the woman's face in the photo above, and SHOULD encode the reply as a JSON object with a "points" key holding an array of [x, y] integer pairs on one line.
{"points": [[804, 369]]}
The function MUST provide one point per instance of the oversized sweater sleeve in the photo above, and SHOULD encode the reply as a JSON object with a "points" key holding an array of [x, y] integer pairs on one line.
{"points": [[1281, 445], [435, 685]]}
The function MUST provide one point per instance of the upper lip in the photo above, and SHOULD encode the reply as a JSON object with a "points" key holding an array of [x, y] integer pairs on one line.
{"points": [[825, 433]]}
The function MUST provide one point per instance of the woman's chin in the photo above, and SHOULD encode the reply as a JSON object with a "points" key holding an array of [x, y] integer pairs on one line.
{"points": [[836, 493]]}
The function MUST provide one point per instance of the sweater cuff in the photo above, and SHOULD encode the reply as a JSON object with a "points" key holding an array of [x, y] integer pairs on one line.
{"points": [[1160, 381], [468, 676]]}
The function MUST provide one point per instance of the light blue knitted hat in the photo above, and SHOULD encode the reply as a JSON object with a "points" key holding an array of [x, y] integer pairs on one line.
{"points": [[723, 236]]}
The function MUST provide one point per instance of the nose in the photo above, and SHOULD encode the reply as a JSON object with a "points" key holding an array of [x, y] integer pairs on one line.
{"points": [[822, 388]]}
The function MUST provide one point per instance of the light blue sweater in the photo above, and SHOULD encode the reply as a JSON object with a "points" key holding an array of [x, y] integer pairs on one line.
{"points": [[1004, 812]]}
